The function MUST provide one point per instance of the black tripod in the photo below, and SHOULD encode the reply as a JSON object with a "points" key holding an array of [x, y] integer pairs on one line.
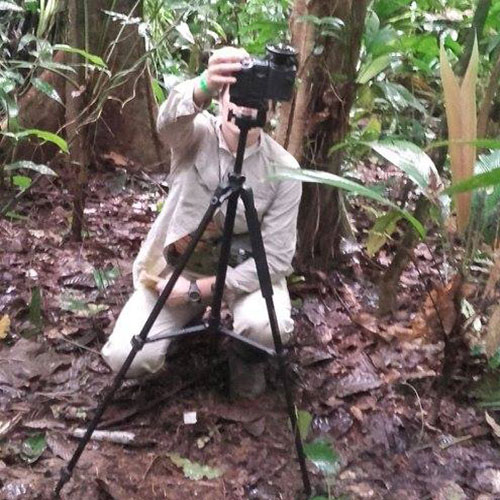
{"points": [[230, 191]]}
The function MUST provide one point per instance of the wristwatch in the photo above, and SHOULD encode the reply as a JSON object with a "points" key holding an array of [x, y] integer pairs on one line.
{"points": [[194, 294]]}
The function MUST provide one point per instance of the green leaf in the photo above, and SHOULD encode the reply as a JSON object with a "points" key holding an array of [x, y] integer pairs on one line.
{"points": [[346, 184], [158, 91], [488, 162], [31, 5], [487, 179], [10, 106], [323, 456], [194, 470], [41, 134], [184, 30], [304, 419], [105, 277], [4, 5], [91, 57], [400, 97], [41, 169], [46, 89], [410, 159], [382, 229], [21, 181], [372, 69], [32, 448]]}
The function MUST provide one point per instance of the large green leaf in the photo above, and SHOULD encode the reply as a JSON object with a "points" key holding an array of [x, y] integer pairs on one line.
{"points": [[41, 134], [410, 159], [91, 57], [346, 184], [372, 69], [484, 180], [4, 5], [41, 169]]}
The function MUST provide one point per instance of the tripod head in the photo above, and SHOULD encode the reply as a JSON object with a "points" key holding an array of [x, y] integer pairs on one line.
{"points": [[248, 121]]}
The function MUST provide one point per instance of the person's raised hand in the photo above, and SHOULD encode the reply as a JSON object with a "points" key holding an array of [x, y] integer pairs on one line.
{"points": [[222, 65]]}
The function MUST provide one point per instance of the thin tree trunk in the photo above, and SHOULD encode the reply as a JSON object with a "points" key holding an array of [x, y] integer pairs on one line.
{"points": [[488, 100], [78, 159], [319, 118]]}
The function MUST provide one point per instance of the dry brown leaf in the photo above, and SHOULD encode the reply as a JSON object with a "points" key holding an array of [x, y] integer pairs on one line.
{"points": [[461, 115], [493, 333], [494, 426], [4, 326], [116, 158], [438, 312]]}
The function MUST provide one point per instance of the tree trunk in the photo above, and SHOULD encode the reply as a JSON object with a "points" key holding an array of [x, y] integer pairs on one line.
{"points": [[123, 109], [318, 118]]}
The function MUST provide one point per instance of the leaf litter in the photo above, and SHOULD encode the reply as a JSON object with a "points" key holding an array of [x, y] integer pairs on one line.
{"points": [[366, 385]]}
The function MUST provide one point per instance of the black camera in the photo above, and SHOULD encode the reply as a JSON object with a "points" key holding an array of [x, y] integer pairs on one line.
{"points": [[271, 78]]}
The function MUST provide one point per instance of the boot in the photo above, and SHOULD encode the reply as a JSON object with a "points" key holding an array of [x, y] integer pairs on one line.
{"points": [[247, 378]]}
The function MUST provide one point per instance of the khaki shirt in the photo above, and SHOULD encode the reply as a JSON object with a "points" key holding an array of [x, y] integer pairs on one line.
{"points": [[200, 160]]}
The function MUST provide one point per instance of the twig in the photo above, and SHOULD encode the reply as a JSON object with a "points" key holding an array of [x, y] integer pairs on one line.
{"points": [[422, 419]]}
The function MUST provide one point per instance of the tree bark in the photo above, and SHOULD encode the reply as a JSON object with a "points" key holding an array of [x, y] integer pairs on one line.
{"points": [[318, 118]]}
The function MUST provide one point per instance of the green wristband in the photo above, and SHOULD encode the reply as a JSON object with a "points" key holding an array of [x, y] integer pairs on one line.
{"points": [[204, 87]]}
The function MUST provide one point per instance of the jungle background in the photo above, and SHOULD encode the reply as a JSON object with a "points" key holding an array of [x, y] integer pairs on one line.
{"points": [[395, 359]]}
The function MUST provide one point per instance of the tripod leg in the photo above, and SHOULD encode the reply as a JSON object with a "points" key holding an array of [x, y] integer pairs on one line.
{"points": [[266, 286], [139, 340], [220, 278]]}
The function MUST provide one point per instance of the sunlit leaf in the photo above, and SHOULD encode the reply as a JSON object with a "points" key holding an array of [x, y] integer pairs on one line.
{"points": [[21, 181], [194, 470], [304, 419]]}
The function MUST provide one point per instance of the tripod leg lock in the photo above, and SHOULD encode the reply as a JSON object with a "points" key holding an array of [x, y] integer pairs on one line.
{"points": [[137, 342]]}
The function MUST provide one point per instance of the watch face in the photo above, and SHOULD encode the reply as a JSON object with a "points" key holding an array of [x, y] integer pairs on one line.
{"points": [[194, 292]]}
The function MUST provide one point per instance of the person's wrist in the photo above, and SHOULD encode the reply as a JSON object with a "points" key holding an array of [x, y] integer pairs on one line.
{"points": [[205, 87]]}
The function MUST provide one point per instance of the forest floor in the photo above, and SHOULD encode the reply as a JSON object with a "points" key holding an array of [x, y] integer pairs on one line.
{"points": [[371, 384]]}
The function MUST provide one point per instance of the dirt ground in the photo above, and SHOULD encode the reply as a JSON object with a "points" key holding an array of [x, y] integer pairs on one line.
{"points": [[371, 384]]}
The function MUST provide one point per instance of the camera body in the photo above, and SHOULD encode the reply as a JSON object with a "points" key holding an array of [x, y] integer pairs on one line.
{"points": [[272, 78]]}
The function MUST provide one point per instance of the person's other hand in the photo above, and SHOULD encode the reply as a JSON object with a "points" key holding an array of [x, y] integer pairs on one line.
{"points": [[223, 63]]}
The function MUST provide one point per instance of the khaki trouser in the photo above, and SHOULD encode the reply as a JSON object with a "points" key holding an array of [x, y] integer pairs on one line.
{"points": [[249, 319]]}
